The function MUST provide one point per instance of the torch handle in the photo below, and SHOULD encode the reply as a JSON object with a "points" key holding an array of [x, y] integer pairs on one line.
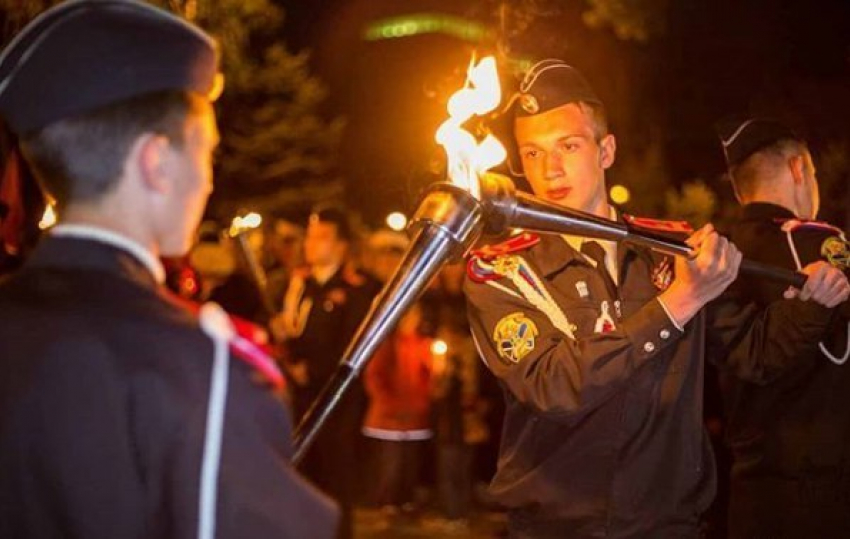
{"points": [[748, 267], [773, 273], [321, 409]]}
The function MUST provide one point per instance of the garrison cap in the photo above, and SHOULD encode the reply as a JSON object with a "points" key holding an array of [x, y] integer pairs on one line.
{"points": [[550, 84], [84, 54], [742, 138]]}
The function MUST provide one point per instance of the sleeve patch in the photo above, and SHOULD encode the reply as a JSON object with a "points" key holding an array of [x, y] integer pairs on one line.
{"points": [[515, 337]]}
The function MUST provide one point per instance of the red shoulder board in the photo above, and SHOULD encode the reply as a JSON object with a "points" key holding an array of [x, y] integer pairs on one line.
{"points": [[657, 225], [350, 276], [520, 242], [791, 225], [250, 344]]}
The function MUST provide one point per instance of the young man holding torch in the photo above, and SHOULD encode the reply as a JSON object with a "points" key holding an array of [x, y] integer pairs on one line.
{"points": [[599, 346], [122, 413]]}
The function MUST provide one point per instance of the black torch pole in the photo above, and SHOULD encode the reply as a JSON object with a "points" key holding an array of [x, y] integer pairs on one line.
{"points": [[507, 207]]}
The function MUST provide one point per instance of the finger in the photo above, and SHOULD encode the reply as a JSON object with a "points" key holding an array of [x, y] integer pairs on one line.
{"points": [[791, 293], [816, 283], [696, 239]]}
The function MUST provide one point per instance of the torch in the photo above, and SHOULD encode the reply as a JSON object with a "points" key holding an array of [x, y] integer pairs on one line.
{"points": [[449, 220], [239, 229], [506, 208], [451, 217]]}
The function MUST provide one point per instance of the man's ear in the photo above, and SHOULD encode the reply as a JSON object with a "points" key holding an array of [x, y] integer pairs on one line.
{"points": [[797, 165], [151, 154], [607, 151]]}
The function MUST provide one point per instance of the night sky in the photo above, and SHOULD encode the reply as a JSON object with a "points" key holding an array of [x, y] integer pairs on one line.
{"points": [[788, 60]]}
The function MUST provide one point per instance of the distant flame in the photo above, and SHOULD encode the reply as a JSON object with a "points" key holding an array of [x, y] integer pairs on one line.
{"points": [[467, 158], [243, 223]]}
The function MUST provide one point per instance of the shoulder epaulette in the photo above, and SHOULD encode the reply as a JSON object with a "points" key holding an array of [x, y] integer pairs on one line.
{"points": [[794, 225], [517, 243], [659, 225], [352, 277], [479, 268], [250, 344]]}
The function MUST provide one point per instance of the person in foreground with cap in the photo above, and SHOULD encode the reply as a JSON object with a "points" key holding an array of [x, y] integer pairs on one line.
{"points": [[599, 346], [788, 425], [122, 413]]}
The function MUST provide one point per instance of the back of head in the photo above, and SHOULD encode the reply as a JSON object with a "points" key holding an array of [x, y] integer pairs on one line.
{"points": [[757, 152], [87, 77]]}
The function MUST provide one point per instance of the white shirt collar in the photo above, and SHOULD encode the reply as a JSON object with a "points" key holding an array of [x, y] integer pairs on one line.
{"points": [[610, 247], [110, 237]]}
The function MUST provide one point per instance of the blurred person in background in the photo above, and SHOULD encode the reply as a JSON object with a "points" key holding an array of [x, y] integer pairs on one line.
{"points": [[459, 418], [284, 252], [323, 305], [398, 421], [383, 252]]}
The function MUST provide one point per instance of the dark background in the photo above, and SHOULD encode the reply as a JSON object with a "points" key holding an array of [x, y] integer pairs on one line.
{"points": [[710, 58]]}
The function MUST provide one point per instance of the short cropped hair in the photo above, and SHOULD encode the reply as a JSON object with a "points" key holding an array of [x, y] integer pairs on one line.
{"points": [[335, 215], [598, 117], [764, 165], [80, 159]]}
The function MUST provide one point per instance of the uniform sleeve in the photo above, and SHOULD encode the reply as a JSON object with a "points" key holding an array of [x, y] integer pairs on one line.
{"points": [[261, 494], [759, 345], [563, 378], [754, 333]]}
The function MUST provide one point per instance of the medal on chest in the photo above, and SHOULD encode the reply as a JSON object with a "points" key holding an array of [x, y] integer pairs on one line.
{"points": [[605, 323]]}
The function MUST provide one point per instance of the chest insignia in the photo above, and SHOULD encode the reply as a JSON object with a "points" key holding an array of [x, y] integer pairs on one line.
{"points": [[662, 274], [837, 251], [605, 322], [581, 288], [515, 336]]}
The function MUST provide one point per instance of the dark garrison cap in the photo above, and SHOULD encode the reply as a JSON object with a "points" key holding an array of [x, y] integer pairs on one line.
{"points": [[85, 54], [550, 84], [742, 138]]}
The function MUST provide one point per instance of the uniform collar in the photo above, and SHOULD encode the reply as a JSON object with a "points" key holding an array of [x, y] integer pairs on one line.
{"points": [[553, 253], [115, 240], [762, 211]]}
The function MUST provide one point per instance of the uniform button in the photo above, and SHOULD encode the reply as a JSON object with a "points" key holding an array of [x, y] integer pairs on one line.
{"points": [[665, 334], [649, 347]]}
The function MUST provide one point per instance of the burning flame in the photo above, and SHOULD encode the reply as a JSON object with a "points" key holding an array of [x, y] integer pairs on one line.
{"points": [[243, 223], [467, 158], [48, 218]]}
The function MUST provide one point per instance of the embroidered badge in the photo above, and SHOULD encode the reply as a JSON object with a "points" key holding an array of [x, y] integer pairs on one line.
{"points": [[662, 274], [836, 251], [515, 337], [605, 322]]}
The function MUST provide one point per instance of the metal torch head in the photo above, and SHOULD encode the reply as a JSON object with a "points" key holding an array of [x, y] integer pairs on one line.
{"points": [[454, 211]]}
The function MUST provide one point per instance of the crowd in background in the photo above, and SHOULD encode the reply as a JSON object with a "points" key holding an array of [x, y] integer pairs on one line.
{"points": [[420, 427]]}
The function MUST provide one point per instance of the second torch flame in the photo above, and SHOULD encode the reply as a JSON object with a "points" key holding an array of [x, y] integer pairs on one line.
{"points": [[468, 158]]}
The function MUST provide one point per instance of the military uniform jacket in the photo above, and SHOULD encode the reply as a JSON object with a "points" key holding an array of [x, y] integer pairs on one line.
{"points": [[104, 391], [787, 412], [603, 432]]}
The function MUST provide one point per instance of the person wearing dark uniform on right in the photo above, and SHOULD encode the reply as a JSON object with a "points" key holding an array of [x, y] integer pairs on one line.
{"points": [[788, 424], [599, 346]]}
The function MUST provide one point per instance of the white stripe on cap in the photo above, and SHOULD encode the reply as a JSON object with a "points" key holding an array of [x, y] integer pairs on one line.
{"points": [[538, 69], [727, 142]]}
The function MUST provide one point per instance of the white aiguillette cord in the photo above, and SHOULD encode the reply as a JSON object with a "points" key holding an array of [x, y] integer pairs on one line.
{"points": [[216, 324], [788, 228]]}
